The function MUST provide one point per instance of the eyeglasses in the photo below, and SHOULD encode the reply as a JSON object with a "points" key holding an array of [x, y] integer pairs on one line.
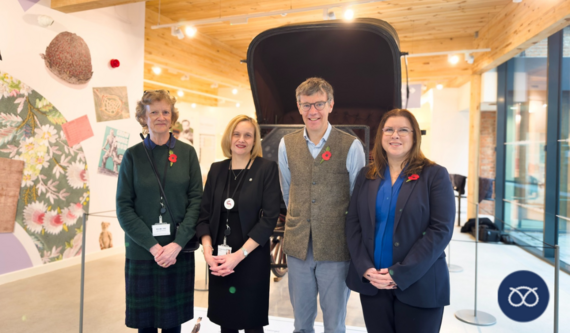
{"points": [[305, 107], [402, 132]]}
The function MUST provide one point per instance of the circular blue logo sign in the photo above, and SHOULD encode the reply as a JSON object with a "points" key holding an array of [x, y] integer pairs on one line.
{"points": [[523, 296]]}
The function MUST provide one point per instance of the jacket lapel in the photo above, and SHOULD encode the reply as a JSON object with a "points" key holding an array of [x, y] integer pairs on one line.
{"points": [[245, 183], [372, 193], [405, 192]]}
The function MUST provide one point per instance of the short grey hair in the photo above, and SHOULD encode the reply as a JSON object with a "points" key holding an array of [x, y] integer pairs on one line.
{"points": [[314, 85]]}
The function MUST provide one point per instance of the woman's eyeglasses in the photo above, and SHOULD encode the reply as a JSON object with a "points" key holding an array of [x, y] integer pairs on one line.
{"points": [[402, 132]]}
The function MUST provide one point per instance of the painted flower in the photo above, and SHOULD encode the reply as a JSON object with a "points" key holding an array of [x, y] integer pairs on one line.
{"points": [[34, 214], [45, 134], [41, 160], [413, 177], [77, 175], [72, 213], [25, 89], [28, 179], [53, 223], [28, 145]]}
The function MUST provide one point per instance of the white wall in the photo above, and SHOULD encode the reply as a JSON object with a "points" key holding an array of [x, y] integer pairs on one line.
{"points": [[115, 32], [449, 134]]}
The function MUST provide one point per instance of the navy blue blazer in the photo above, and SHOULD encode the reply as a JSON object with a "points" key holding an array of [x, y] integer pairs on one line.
{"points": [[423, 226]]}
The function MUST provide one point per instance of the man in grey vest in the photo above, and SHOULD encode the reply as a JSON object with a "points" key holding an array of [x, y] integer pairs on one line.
{"points": [[317, 167]]}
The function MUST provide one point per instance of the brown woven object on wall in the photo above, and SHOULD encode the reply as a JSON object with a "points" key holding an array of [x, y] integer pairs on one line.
{"points": [[68, 57]]}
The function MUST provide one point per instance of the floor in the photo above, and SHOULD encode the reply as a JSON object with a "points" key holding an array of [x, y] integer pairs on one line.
{"points": [[50, 302]]}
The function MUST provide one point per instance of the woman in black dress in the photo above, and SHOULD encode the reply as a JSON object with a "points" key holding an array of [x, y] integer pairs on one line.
{"points": [[239, 210]]}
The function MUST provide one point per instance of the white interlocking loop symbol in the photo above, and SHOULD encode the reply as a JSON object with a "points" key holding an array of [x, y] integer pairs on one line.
{"points": [[523, 297]]}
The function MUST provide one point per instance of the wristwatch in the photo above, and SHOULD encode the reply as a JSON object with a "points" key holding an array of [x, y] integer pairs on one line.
{"points": [[245, 253]]}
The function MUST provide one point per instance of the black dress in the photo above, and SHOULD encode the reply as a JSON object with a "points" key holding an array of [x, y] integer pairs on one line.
{"points": [[241, 299]]}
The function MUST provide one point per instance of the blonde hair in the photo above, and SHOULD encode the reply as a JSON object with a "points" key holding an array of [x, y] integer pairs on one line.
{"points": [[256, 150], [149, 97], [415, 160]]}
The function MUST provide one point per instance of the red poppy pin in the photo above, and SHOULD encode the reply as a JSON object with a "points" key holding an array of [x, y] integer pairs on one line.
{"points": [[172, 157], [413, 177], [326, 155]]}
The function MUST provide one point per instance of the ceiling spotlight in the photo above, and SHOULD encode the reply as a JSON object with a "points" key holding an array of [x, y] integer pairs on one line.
{"points": [[469, 58], [237, 105], [283, 14], [185, 77], [439, 86], [234, 91], [517, 1], [175, 31], [331, 15], [156, 70], [191, 31], [214, 85], [453, 59], [544, 105], [348, 14], [193, 105], [180, 93]]}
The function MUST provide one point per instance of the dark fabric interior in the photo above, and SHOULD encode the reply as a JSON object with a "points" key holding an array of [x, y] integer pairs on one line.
{"points": [[358, 64]]}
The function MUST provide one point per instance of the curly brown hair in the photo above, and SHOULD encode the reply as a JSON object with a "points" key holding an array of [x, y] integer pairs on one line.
{"points": [[151, 96], [415, 160]]}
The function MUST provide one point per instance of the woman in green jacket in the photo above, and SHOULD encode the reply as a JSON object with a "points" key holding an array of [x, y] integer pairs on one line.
{"points": [[159, 274]]}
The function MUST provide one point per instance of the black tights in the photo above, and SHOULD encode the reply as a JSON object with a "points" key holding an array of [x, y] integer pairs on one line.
{"points": [[250, 330], [164, 330]]}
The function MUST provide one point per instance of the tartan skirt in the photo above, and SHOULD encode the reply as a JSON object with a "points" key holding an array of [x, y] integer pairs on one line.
{"points": [[159, 297]]}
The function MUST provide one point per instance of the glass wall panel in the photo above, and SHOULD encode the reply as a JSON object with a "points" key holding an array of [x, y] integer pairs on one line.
{"points": [[564, 146], [525, 143]]}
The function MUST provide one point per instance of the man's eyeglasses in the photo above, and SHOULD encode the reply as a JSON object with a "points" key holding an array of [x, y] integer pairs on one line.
{"points": [[402, 132], [305, 107]]}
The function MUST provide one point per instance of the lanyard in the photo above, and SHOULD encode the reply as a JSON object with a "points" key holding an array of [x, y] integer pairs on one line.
{"points": [[162, 208], [229, 202]]}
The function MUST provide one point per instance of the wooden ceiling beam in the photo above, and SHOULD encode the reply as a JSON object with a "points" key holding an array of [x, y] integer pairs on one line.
{"points": [[73, 6], [517, 27]]}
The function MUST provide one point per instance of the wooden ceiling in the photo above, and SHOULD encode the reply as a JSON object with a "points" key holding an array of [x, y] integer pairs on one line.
{"points": [[423, 26]]}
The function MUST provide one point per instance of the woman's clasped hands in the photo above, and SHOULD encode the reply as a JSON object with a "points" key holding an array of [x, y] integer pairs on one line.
{"points": [[165, 256], [380, 278], [222, 265]]}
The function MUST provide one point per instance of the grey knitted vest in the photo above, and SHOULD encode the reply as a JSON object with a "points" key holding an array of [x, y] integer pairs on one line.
{"points": [[318, 198]]}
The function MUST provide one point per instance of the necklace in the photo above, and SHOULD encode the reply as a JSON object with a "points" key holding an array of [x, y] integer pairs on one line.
{"points": [[239, 173]]}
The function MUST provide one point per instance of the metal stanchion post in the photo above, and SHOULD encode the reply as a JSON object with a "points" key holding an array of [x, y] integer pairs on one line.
{"points": [[556, 286], [474, 317], [452, 268], [81, 298]]}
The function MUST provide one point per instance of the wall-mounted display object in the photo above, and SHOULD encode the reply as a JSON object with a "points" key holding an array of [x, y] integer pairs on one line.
{"points": [[68, 57], [112, 151], [111, 103], [10, 182], [106, 237], [54, 190], [114, 63], [45, 21], [77, 130]]}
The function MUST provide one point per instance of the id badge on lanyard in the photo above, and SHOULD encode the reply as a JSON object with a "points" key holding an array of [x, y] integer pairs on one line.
{"points": [[161, 228]]}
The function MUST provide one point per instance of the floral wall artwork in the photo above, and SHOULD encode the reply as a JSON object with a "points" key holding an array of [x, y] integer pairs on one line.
{"points": [[54, 191]]}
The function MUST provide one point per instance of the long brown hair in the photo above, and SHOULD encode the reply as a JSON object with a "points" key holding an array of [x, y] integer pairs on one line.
{"points": [[415, 160]]}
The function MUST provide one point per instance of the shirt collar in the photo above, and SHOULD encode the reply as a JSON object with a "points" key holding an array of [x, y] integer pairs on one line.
{"points": [[148, 142], [323, 139]]}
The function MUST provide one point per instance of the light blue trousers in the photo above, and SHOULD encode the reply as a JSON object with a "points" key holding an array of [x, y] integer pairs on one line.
{"points": [[307, 278]]}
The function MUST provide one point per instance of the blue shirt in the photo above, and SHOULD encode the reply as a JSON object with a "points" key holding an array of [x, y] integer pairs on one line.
{"points": [[385, 212], [354, 161]]}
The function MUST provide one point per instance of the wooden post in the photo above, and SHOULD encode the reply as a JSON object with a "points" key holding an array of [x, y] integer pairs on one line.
{"points": [[474, 136]]}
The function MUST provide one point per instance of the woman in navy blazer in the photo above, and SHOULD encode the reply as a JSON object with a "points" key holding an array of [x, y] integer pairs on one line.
{"points": [[399, 222]]}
